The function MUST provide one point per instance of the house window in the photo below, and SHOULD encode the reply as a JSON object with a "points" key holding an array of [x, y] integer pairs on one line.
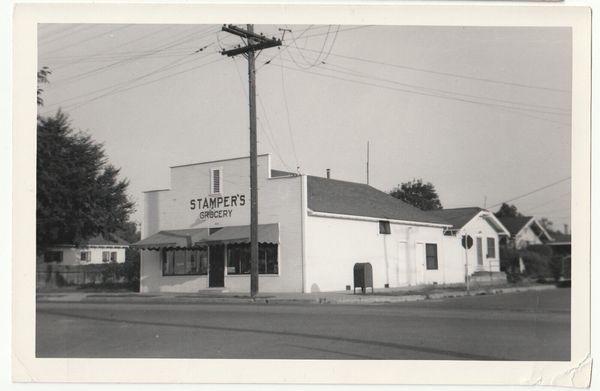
{"points": [[105, 256], [85, 256], [384, 227], [113, 256], [491, 248], [216, 181], [185, 262], [431, 256], [53, 256], [238, 259]]}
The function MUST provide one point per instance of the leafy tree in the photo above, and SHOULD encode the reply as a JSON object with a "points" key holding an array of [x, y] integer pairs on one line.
{"points": [[79, 195], [507, 210], [42, 78], [419, 194]]}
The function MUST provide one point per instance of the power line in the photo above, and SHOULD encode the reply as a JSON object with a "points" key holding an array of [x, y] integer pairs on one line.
{"points": [[177, 62], [169, 45], [516, 109], [114, 30], [531, 192], [441, 73], [546, 203], [68, 31], [353, 72], [287, 110], [117, 91]]}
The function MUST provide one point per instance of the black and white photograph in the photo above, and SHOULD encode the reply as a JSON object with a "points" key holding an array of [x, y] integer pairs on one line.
{"points": [[290, 191]]}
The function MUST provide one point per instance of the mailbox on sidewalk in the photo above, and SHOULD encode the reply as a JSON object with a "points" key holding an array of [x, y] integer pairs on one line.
{"points": [[363, 276]]}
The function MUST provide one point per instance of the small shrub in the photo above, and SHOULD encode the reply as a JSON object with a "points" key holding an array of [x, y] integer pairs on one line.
{"points": [[536, 265]]}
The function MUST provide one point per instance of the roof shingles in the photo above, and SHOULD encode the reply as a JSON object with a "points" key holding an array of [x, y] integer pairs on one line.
{"points": [[358, 199]]}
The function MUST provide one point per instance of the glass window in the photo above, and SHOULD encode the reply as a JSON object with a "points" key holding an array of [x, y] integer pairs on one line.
{"points": [[105, 256], [238, 259], [491, 248], [183, 262], [86, 256], [431, 256], [113, 256], [384, 227], [53, 256]]}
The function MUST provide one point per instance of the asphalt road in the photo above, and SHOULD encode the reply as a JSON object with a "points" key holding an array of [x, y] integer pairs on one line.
{"points": [[519, 326]]}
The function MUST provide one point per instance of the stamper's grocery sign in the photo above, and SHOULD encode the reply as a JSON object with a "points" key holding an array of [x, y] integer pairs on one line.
{"points": [[218, 206]]}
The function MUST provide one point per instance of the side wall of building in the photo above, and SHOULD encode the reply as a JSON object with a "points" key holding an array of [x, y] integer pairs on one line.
{"points": [[279, 202], [334, 245], [72, 255]]}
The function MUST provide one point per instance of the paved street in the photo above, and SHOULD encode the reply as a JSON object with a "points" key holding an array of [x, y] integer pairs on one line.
{"points": [[519, 326]]}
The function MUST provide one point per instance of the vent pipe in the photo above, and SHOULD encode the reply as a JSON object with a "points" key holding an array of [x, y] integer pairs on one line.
{"points": [[328, 173]]}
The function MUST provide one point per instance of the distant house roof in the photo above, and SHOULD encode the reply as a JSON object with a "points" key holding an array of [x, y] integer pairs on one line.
{"points": [[560, 238], [517, 224], [99, 240], [514, 225], [358, 199]]}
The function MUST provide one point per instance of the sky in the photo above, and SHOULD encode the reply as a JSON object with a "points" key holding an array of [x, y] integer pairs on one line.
{"points": [[483, 113]]}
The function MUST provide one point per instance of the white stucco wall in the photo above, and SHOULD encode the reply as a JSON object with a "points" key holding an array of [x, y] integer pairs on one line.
{"points": [[478, 227], [334, 245], [279, 201], [72, 255]]}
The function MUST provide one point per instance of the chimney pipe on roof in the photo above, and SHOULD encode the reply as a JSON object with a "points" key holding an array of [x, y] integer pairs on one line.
{"points": [[328, 173], [566, 229]]}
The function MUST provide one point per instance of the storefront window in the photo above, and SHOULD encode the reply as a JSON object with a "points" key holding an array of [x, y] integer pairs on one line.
{"points": [[185, 262], [238, 259]]}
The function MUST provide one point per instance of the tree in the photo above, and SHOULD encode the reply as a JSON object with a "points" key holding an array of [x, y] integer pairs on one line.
{"points": [[419, 194], [546, 224], [507, 210], [79, 194], [42, 78]]}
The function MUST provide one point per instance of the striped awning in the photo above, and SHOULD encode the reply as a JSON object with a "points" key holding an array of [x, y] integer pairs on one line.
{"points": [[189, 238]]}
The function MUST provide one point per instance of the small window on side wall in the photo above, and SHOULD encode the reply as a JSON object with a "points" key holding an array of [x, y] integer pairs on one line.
{"points": [[216, 181], [431, 256], [491, 248], [384, 227]]}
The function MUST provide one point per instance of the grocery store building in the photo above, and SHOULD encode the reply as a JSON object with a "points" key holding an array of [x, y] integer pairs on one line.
{"points": [[312, 231]]}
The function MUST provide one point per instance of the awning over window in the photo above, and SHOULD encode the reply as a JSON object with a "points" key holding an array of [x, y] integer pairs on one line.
{"points": [[187, 238]]}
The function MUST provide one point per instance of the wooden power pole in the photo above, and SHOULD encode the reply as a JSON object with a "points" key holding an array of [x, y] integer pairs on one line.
{"points": [[254, 42]]}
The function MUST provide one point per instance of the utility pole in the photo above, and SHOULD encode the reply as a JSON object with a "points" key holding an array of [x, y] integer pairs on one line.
{"points": [[254, 42]]}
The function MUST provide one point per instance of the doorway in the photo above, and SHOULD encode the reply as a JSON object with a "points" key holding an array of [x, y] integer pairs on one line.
{"points": [[216, 266]]}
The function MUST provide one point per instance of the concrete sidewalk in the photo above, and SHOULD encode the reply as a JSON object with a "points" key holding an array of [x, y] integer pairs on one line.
{"points": [[380, 296]]}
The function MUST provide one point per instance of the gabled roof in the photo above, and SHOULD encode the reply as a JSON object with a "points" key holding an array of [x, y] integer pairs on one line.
{"points": [[358, 199], [99, 240], [458, 217], [517, 224]]}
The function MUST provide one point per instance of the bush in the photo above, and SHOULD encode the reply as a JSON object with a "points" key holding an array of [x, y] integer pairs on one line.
{"points": [[541, 249], [536, 265], [509, 263]]}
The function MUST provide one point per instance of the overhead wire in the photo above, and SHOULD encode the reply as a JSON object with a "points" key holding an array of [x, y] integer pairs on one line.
{"points": [[531, 192]]}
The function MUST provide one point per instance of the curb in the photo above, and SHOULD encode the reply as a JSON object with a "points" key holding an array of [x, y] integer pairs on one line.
{"points": [[349, 300]]}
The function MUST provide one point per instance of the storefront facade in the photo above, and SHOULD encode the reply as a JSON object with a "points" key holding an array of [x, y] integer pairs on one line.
{"points": [[312, 231]]}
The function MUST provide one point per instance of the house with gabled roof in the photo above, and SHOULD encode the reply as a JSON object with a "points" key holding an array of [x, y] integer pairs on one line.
{"points": [[485, 231], [525, 231], [312, 232], [95, 250]]}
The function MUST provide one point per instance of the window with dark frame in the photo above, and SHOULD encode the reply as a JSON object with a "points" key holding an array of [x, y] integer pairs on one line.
{"points": [[215, 181], [238, 259], [105, 256], [491, 248], [53, 256], [384, 227], [85, 256], [431, 256], [185, 262], [113, 256]]}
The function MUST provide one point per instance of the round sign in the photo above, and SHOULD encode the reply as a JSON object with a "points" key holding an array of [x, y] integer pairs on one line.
{"points": [[467, 242]]}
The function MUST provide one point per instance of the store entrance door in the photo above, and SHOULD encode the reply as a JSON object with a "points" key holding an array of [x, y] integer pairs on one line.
{"points": [[216, 266]]}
